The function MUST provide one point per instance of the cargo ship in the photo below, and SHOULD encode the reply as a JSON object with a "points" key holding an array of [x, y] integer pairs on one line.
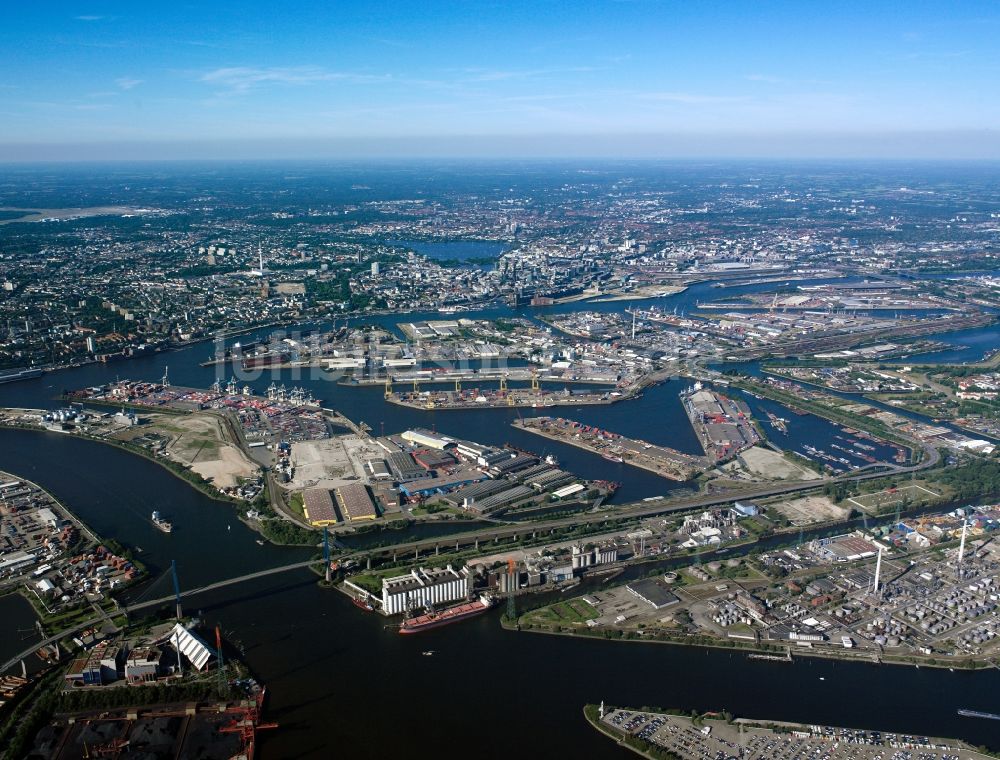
{"points": [[778, 423], [976, 714], [434, 619], [160, 523], [13, 375]]}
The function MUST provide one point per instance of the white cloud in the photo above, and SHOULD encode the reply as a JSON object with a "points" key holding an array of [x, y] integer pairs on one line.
{"points": [[692, 98], [480, 75], [127, 83], [88, 18], [243, 78]]}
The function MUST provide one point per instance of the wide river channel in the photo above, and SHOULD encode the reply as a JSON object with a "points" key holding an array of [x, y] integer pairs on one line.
{"points": [[340, 683]]}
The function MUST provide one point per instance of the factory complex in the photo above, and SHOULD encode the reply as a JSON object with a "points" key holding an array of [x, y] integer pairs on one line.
{"points": [[401, 474]]}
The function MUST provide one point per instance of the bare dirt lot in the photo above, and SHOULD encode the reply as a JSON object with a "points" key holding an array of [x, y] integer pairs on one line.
{"points": [[201, 441], [774, 466], [332, 462], [809, 509]]}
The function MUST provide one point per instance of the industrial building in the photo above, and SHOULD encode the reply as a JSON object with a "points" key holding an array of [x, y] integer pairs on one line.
{"points": [[498, 501], [652, 592], [142, 665], [441, 483], [425, 586], [99, 667], [428, 439], [317, 503], [378, 469], [196, 651], [355, 502], [467, 495], [405, 469], [598, 555]]}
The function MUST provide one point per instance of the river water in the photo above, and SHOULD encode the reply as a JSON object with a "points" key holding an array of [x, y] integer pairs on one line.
{"points": [[341, 683]]}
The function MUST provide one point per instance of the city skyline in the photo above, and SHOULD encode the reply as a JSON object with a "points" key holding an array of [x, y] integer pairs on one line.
{"points": [[628, 79]]}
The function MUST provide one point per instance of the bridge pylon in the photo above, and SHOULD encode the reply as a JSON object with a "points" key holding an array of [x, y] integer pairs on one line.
{"points": [[177, 589]]}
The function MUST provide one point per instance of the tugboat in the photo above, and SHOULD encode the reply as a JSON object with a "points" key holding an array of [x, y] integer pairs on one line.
{"points": [[362, 603], [160, 523]]}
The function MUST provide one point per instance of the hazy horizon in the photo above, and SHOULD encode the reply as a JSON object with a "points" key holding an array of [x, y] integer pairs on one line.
{"points": [[937, 146]]}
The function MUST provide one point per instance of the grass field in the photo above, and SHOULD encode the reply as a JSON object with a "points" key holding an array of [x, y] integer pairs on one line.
{"points": [[880, 501], [570, 611]]}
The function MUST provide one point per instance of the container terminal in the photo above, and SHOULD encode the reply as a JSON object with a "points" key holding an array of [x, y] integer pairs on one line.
{"points": [[662, 460], [723, 425], [503, 398]]}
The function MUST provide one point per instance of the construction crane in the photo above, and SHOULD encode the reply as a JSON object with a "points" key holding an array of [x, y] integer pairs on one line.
{"points": [[246, 725], [113, 748], [220, 665]]}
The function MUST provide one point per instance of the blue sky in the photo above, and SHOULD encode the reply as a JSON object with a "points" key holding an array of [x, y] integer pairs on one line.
{"points": [[175, 79]]}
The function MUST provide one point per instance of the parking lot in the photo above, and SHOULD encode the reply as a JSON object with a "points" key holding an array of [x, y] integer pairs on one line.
{"points": [[719, 740]]}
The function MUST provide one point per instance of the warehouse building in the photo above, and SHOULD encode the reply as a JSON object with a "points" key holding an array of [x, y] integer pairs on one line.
{"points": [[466, 495], [379, 469], [427, 439], [404, 468], [317, 504], [520, 462], [433, 459], [652, 592], [355, 502], [441, 483], [422, 587], [502, 500]]}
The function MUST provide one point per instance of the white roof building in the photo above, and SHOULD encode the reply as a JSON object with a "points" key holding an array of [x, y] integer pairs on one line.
{"points": [[193, 648]]}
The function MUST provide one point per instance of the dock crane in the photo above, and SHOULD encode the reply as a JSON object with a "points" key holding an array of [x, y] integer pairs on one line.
{"points": [[534, 380], [388, 386]]}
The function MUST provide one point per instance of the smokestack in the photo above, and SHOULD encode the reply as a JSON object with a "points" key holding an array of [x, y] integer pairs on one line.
{"points": [[878, 569], [961, 545]]}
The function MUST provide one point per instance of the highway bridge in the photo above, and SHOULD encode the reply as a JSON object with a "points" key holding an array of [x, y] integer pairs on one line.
{"points": [[145, 604]]}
